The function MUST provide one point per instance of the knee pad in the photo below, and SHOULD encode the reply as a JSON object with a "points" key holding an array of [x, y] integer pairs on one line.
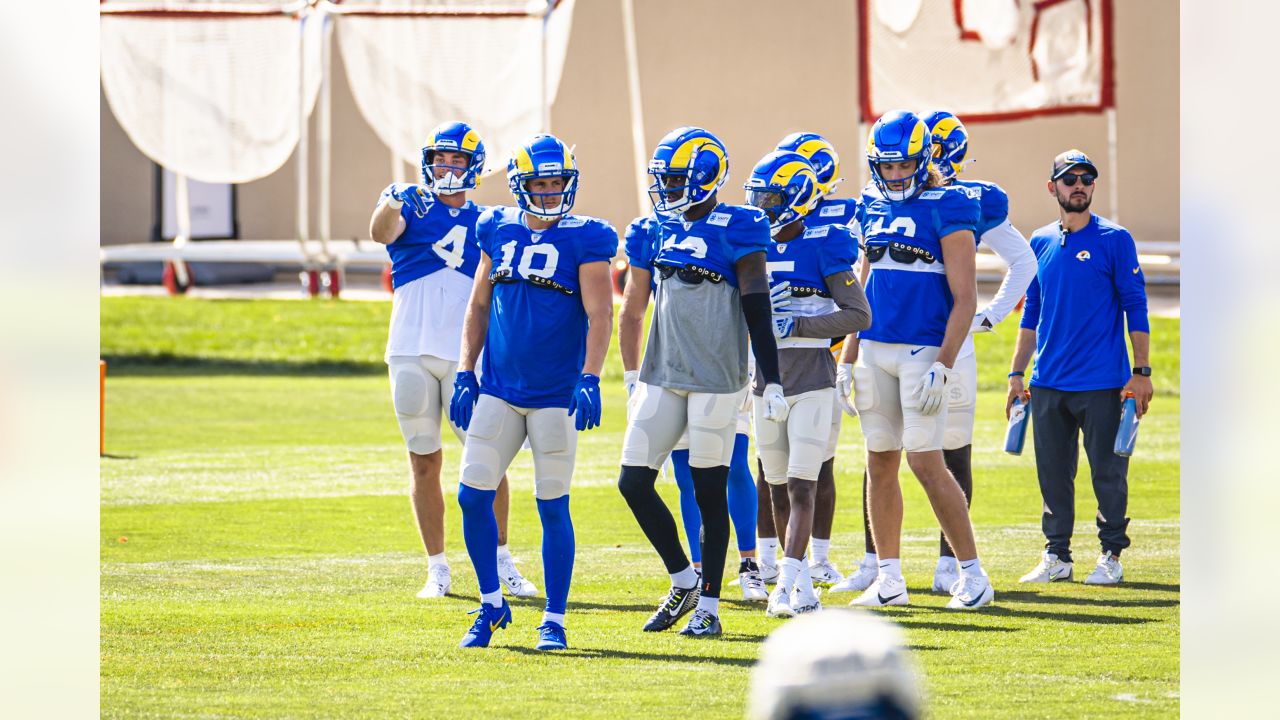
{"points": [[472, 500], [880, 434], [636, 479], [916, 438], [959, 429], [408, 389]]}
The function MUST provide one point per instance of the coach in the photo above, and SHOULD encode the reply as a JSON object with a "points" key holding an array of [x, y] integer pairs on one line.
{"points": [[1088, 282]]}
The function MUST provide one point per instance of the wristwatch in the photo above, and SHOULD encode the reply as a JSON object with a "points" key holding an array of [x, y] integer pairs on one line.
{"points": [[1144, 371]]}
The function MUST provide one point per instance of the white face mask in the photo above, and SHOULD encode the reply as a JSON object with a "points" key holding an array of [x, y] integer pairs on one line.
{"points": [[449, 184], [899, 195]]}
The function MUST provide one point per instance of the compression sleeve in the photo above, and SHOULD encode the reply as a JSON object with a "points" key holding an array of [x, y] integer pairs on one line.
{"points": [[759, 314]]}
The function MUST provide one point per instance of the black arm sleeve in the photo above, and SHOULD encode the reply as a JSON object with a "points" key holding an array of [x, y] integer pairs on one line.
{"points": [[759, 314]]}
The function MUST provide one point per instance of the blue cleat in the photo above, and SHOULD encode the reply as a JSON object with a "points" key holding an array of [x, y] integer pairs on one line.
{"points": [[488, 619], [551, 637]]}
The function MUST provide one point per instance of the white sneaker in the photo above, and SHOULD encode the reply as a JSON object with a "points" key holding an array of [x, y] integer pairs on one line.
{"points": [[971, 592], [512, 581], [438, 582], [769, 572], [779, 604], [884, 591], [825, 573], [753, 587], [1050, 569], [859, 580], [945, 575], [1107, 572], [805, 601]]}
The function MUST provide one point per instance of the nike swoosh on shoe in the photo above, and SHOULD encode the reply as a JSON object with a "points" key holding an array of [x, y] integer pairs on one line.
{"points": [[886, 600]]}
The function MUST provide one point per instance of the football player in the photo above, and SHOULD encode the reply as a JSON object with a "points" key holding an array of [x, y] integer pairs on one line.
{"points": [[429, 231], [642, 242], [815, 297], [711, 293], [541, 308], [919, 242]]}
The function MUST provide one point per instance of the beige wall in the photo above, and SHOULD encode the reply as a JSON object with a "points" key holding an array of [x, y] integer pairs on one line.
{"points": [[716, 63]]}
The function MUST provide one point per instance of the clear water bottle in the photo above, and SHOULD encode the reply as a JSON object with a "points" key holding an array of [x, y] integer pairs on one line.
{"points": [[1127, 435], [1019, 415]]}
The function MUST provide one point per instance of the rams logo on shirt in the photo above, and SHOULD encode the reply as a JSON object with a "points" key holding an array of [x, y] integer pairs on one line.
{"points": [[1082, 255]]}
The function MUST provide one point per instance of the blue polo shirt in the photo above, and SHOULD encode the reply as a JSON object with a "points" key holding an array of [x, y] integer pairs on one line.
{"points": [[1087, 283]]}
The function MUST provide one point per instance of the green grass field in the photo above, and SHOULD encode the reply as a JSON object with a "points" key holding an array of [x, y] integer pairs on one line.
{"points": [[259, 557]]}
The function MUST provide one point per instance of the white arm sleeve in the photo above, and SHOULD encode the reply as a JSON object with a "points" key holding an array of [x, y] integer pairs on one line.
{"points": [[1014, 249]]}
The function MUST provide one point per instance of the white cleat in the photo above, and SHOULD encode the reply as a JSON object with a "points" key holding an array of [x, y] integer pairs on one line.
{"points": [[1050, 569], [513, 582], [769, 572], [438, 582], [971, 592], [859, 580], [884, 591], [1107, 572], [805, 601], [825, 573], [753, 587], [945, 575], [779, 604]]}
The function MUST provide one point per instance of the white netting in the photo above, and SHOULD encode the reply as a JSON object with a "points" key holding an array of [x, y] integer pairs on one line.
{"points": [[985, 57], [209, 96], [409, 74]]}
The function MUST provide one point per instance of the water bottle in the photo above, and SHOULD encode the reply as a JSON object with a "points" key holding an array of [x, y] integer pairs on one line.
{"points": [[1127, 435], [1019, 414]]}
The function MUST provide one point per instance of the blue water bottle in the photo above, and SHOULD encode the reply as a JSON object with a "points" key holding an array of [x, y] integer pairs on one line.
{"points": [[1127, 435], [1019, 415]]}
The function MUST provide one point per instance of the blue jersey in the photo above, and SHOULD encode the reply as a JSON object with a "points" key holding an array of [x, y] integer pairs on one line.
{"points": [[641, 243], [907, 290], [537, 337], [832, 211], [715, 242], [991, 198], [443, 238], [807, 260]]}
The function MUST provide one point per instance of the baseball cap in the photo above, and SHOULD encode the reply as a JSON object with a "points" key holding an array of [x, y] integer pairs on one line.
{"points": [[1070, 159]]}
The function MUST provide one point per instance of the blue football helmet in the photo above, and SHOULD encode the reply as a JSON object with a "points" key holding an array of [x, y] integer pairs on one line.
{"points": [[896, 137], [456, 137], [950, 143], [820, 154], [689, 165], [784, 186], [543, 156]]}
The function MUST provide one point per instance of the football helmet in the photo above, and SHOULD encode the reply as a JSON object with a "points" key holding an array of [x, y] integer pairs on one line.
{"points": [[543, 156], [784, 186], [689, 165], [457, 137], [896, 137], [820, 154], [950, 143]]}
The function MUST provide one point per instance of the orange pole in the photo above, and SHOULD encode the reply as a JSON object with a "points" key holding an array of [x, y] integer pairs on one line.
{"points": [[102, 408]]}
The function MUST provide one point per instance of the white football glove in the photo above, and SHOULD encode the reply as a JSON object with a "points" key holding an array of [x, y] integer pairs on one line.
{"points": [[981, 324], [932, 389], [630, 378], [775, 403], [844, 388], [783, 320]]}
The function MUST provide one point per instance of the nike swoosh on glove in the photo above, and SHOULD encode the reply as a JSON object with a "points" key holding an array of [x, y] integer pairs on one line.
{"points": [[775, 403], [585, 406], [931, 390], [844, 388], [466, 391]]}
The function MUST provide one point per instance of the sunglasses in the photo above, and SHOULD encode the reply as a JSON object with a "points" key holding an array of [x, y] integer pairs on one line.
{"points": [[1070, 180]]}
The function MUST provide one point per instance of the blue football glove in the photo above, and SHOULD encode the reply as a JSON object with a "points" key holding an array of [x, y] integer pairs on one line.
{"points": [[585, 406], [466, 391], [413, 196]]}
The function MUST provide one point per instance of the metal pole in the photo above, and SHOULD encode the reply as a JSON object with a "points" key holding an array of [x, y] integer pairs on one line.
{"points": [[182, 201], [1113, 159], [546, 106], [303, 141], [324, 131], [637, 108]]}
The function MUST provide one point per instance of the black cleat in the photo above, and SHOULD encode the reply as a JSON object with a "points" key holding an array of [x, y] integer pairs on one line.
{"points": [[702, 624], [679, 602]]}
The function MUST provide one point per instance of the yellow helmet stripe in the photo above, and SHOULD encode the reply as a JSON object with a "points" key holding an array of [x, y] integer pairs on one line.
{"points": [[919, 139], [684, 154], [715, 180], [568, 158], [524, 163], [470, 141], [945, 126], [809, 147], [783, 175]]}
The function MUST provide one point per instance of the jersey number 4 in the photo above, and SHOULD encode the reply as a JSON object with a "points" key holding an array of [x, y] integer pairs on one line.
{"points": [[450, 247], [547, 256]]}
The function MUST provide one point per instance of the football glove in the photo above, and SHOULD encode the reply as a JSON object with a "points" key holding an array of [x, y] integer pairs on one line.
{"points": [[931, 390], [630, 378], [844, 388], [783, 320], [775, 403], [584, 406], [981, 324], [466, 391], [413, 196]]}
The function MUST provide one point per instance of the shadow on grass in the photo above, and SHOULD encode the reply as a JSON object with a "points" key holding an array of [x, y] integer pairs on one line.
{"points": [[953, 627], [1117, 602], [1080, 618], [537, 603], [168, 365], [614, 654]]}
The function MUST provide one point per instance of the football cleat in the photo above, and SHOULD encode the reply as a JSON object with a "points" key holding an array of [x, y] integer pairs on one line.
{"points": [[1107, 572], [1050, 569], [678, 602], [945, 575], [753, 587], [859, 580], [438, 582], [513, 582], [884, 591], [805, 601], [971, 592], [551, 637], [825, 573], [779, 604], [702, 624], [769, 572], [488, 619]]}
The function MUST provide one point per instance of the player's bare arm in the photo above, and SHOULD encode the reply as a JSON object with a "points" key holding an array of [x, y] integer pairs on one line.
{"points": [[959, 257], [635, 300], [476, 321], [387, 224], [597, 300]]}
